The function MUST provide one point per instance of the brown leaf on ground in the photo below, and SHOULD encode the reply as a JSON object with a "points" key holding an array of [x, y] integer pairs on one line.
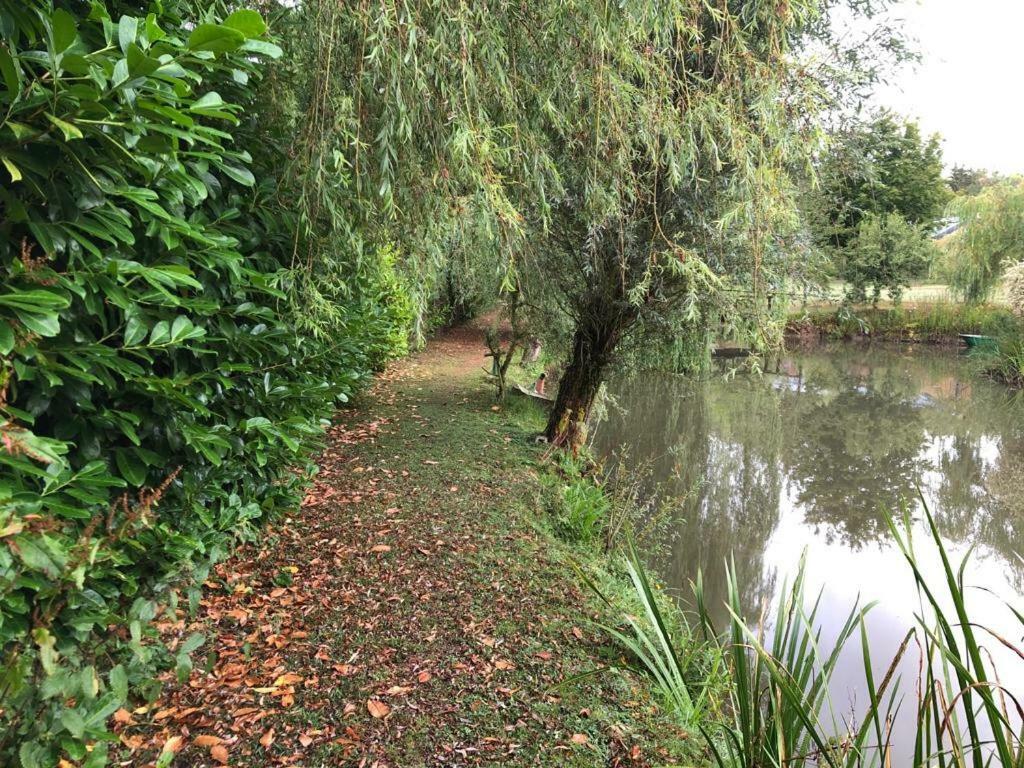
{"points": [[219, 753], [378, 709], [173, 745], [122, 716]]}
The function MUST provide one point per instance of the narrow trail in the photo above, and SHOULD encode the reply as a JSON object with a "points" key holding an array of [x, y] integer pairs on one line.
{"points": [[408, 614]]}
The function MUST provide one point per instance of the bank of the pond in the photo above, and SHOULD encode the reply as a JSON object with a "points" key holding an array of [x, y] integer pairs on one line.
{"points": [[938, 323], [421, 608]]}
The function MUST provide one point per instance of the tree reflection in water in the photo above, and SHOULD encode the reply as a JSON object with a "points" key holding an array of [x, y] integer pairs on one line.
{"points": [[831, 438]]}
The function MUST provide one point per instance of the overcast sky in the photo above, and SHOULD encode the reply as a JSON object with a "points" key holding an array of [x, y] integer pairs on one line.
{"points": [[968, 87]]}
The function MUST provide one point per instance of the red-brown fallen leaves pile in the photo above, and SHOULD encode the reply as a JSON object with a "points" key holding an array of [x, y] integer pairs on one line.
{"points": [[384, 614], [259, 631]]}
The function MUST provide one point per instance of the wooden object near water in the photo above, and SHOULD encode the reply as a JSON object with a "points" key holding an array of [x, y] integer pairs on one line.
{"points": [[547, 401], [729, 352]]}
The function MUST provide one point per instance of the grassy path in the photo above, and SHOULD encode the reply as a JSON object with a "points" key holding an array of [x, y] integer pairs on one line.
{"points": [[413, 612]]}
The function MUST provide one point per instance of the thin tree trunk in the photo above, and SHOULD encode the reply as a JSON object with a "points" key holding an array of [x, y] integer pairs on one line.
{"points": [[592, 348]]}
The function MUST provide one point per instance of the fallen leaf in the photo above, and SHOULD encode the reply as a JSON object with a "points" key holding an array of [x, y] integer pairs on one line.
{"points": [[122, 716], [267, 738], [423, 677], [378, 709], [219, 753], [305, 740], [580, 738], [545, 655], [207, 740], [173, 745], [380, 548]]}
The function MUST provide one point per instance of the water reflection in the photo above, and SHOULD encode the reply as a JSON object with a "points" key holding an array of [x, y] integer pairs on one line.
{"points": [[814, 452]]}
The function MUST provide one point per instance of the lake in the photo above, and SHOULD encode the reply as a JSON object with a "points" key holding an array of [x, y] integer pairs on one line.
{"points": [[805, 459]]}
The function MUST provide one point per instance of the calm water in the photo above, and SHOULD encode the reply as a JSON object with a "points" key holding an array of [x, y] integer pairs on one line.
{"points": [[805, 458]]}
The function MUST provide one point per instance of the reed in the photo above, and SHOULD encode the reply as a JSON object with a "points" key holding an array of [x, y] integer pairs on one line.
{"points": [[776, 712]]}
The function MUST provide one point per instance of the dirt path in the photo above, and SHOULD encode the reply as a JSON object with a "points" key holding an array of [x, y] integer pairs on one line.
{"points": [[409, 614]]}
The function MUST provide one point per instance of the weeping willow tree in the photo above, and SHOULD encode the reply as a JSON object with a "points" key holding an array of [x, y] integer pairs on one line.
{"points": [[990, 239], [682, 123]]}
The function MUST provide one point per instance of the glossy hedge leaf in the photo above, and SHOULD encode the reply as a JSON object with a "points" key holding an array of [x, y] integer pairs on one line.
{"points": [[64, 29], [8, 69], [249, 23], [34, 300], [263, 47], [131, 467], [127, 30], [215, 38], [70, 131], [35, 557], [135, 330], [12, 169], [6, 338]]}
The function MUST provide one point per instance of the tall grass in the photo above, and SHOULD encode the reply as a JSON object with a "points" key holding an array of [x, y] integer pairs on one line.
{"points": [[935, 323], [1006, 361], [777, 713]]}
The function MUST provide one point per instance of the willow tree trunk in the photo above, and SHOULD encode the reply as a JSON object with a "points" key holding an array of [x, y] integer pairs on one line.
{"points": [[592, 347]]}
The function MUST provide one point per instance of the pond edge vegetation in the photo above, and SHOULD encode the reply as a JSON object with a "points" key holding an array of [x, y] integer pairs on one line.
{"points": [[757, 689]]}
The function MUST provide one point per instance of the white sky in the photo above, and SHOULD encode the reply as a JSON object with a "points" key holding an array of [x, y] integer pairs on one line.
{"points": [[968, 86]]}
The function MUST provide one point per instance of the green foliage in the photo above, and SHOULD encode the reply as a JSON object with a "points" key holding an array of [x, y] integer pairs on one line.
{"points": [[991, 237], [156, 393], [1004, 361], [881, 166], [970, 181], [779, 692], [886, 254], [1013, 283], [941, 322], [583, 511], [579, 505], [670, 180]]}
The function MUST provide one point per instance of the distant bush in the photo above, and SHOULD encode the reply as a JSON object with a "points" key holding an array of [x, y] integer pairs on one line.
{"points": [[886, 253], [1014, 284]]}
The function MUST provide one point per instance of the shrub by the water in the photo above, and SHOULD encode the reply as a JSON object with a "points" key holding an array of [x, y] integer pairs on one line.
{"points": [[156, 399], [1014, 286]]}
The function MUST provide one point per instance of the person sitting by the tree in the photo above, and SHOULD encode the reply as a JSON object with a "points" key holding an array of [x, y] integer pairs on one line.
{"points": [[538, 386]]}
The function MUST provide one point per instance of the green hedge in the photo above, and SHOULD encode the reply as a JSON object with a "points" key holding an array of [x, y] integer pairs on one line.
{"points": [[155, 398]]}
